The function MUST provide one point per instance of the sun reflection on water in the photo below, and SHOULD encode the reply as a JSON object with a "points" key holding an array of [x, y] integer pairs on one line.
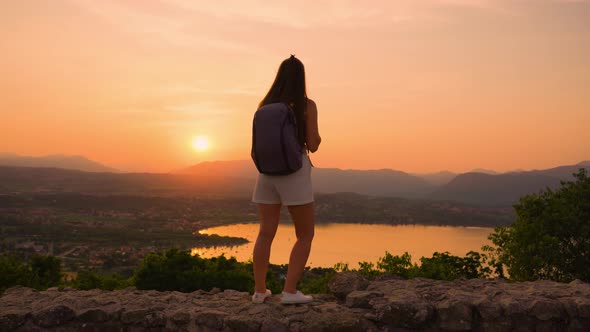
{"points": [[353, 243]]}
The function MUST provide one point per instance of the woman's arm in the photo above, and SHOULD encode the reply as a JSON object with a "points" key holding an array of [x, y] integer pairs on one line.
{"points": [[313, 134]]}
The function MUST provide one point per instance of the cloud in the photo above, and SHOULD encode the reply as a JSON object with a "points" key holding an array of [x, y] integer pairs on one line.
{"points": [[231, 25], [346, 13], [292, 14], [155, 29], [171, 24], [180, 89]]}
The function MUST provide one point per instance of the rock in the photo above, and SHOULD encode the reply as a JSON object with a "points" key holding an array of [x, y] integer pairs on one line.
{"points": [[199, 292], [11, 319], [18, 290], [93, 315], [380, 305], [344, 283], [388, 277], [155, 319], [579, 282], [232, 292], [360, 299], [242, 323], [212, 319], [579, 325], [53, 316], [274, 325], [511, 307], [328, 307], [135, 316], [547, 309], [215, 290], [497, 326], [260, 310], [488, 310], [454, 315], [295, 309], [181, 317], [409, 313], [334, 322], [584, 307]]}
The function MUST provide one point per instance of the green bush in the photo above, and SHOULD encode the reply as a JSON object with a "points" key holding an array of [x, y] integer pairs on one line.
{"points": [[550, 238], [275, 277], [90, 280], [176, 269], [443, 266], [12, 271], [39, 272], [368, 270], [45, 271], [396, 265], [315, 281]]}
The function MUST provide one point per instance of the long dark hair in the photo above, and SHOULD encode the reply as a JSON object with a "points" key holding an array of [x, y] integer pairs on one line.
{"points": [[289, 87]]}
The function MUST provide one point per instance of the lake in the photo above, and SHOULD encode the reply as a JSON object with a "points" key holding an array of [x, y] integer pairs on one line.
{"points": [[353, 243]]}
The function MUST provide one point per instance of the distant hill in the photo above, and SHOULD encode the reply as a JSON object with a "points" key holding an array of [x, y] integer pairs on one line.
{"points": [[483, 170], [39, 179], [563, 172], [503, 189], [59, 161], [482, 186], [238, 178], [439, 178], [204, 179], [206, 182], [231, 168], [384, 182]]}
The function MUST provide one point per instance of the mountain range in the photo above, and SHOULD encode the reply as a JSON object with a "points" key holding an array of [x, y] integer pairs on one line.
{"points": [[481, 187], [60, 161], [505, 188]]}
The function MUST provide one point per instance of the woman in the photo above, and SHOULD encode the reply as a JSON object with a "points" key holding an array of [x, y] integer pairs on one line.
{"points": [[293, 190]]}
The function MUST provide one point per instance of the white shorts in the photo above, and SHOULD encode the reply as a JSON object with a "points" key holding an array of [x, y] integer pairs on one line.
{"points": [[292, 189]]}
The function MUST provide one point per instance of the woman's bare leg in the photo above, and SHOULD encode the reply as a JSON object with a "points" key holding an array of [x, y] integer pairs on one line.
{"points": [[304, 221], [269, 221]]}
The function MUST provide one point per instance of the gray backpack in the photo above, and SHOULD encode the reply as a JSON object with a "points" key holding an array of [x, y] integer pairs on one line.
{"points": [[275, 147]]}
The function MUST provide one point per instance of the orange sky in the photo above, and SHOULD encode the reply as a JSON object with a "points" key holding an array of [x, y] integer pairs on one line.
{"points": [[417, 86]]}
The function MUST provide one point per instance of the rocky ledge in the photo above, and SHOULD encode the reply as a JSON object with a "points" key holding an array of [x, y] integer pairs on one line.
{"points": [[355, 304]]}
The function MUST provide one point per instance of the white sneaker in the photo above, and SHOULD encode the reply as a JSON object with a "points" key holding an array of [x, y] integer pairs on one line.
{"points": [[260, 297], [289, 298]]}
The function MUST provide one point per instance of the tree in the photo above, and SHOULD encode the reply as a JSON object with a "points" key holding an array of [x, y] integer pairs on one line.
{"points": [[550, 238]]}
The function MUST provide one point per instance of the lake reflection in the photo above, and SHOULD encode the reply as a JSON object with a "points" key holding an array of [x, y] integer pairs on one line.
{"points": [[353, 243]]}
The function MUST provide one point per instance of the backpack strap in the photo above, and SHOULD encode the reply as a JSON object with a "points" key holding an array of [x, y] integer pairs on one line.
{"points": [[305, 117], [253, 151]]}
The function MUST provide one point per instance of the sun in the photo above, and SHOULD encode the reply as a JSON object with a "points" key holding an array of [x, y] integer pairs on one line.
{"points": [[200, 143]]}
